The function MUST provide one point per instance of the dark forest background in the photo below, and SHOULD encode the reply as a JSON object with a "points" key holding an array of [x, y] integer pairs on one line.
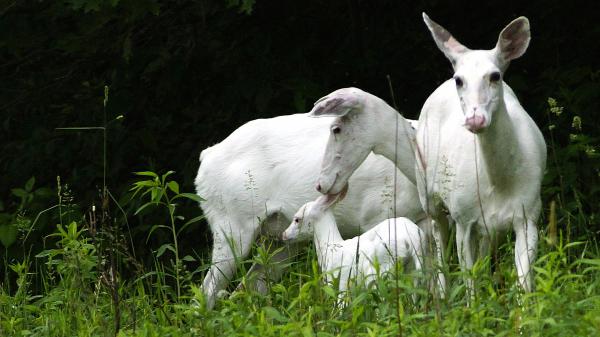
{"points": [[183, 74]]}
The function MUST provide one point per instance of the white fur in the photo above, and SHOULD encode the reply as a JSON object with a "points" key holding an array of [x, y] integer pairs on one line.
{"points": [[363, 123], [255, 179], [360, 124], [393, 240], [482, 156]]}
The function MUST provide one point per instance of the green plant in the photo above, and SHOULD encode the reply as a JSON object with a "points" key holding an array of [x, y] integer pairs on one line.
{"points": [[19, 220], [165, 192]]}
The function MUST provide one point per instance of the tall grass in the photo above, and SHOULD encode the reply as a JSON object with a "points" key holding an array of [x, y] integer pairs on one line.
{"points": [[74, 302]]}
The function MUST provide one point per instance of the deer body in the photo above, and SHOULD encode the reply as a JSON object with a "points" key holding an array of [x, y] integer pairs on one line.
{"points": [[256, 179], [391, 241], [481, 156]]}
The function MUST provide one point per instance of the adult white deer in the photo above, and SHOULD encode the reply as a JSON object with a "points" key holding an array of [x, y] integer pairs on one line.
{"points": [[485, 197], [364, 123], [481, 156], [257, 178]]}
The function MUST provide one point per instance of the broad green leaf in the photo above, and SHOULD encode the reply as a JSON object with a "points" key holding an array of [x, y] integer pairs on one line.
{"points": [[274, 314], [154, 194], [190, 196], [188, 258], [329, 291], [19, 192], [173, 186], [307, 331], [161, 250]]}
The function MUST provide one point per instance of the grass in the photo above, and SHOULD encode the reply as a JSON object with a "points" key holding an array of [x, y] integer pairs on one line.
{"points": [[77, 300]]}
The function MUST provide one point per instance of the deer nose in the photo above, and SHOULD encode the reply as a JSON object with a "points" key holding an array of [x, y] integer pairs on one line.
{"points": [[476, 123]]}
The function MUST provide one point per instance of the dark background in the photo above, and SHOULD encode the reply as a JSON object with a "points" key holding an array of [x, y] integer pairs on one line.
{"points": [[184, 74]]}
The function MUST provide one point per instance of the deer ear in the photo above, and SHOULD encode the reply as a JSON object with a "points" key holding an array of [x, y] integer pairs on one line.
{"points": [[333, 105], [513, 41], [444, 40]]}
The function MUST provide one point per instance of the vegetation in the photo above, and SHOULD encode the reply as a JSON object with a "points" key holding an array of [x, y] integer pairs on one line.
{"points": [[90, 249], [83, 294]]}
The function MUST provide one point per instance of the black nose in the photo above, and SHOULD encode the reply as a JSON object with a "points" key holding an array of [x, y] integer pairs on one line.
{"points": [[318, 187]]}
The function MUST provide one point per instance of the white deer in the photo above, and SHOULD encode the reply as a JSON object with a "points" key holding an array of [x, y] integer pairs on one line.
{"points": [[363, 123], [257, 178], [484, 196], [394, 240], [481, 156]]}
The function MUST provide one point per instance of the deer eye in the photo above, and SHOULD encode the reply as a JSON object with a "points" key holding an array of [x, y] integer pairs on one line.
{"points": [[296, 220], [336, 129], [459, 81], [495, 76]]}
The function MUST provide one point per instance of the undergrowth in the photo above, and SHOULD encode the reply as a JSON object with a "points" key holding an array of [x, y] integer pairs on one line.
{"points": [[76, 301]]}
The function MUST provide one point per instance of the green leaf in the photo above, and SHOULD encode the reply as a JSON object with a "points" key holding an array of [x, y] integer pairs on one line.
{"points": [[279, 288], [155, 227], [43, 192], [189, 222], [145, 183], [8, 235], [29, 184], [19, 192], [143, 207], [329, 291], [154, 194], [188, 258], [161, 250], [274, 314], [190, 196], [594, 262], [164, 176], [49, 252], [147, 174], [307, 331], [173, 186], [72, 229]]}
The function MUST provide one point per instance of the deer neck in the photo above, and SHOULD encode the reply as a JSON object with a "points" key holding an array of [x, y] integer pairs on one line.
{"points": [[326, 234], [396, 140], [497, 149]]}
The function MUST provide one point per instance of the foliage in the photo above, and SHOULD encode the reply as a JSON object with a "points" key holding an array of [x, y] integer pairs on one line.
{"points": [[19, 220], [159, 189], [566, 302]]}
